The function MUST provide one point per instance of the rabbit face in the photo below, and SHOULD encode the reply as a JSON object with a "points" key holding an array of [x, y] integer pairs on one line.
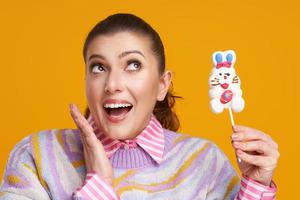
{"points": [[223, 74], [223, 77]]}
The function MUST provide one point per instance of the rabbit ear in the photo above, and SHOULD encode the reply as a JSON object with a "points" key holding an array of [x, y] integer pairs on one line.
{"points": [[230, 56], [217, 57]]}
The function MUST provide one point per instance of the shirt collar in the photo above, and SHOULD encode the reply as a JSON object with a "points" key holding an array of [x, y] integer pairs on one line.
{"points": [[151, 139]]}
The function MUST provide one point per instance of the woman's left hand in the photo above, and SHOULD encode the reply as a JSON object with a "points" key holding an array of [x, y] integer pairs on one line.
{"points": [[258, 153]]}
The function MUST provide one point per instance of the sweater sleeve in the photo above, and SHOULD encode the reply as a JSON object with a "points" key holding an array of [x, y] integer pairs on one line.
{"points": [[21, 179], [224, 182], [95, 187], [227, 185]]}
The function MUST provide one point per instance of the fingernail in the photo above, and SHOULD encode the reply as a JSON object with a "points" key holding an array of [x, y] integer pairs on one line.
{"points": [[235, 128], [236, 145], [234, 136]]}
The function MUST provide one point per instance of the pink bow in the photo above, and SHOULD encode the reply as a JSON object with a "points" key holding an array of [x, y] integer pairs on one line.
{"points": [[223, 64]]}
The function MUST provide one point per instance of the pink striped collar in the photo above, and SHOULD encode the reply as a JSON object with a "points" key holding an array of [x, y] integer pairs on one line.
{"points": [[151, 139]]}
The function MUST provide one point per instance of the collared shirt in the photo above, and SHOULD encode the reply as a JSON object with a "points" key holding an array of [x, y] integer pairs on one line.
{"points": [[151, 139]]}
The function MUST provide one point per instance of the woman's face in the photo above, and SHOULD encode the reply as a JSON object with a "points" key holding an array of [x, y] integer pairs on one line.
{"points": [[123, 83]]}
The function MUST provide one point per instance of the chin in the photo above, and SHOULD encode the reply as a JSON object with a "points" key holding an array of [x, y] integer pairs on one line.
{"points": [[120, 133]]}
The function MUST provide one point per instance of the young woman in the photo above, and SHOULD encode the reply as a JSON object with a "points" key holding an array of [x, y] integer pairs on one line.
{"points": [[126, 146]]}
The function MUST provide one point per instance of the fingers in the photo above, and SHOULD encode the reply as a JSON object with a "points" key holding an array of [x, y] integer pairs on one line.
{"points": [[87, 132], [80, 121], [266, 162], [255, 146], [243, 133]]}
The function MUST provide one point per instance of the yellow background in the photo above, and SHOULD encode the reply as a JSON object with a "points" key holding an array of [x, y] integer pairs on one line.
{"points": [[42, 69]]}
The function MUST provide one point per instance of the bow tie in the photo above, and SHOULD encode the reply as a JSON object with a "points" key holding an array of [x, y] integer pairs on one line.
{"points": [[223, 64], [151, 139]]}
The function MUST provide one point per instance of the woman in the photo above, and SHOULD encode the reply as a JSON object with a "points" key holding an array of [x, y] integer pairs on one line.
{"points": [[126, 146]]}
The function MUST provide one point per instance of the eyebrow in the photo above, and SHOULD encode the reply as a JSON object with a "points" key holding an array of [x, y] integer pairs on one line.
{"points": [[123, 54]]}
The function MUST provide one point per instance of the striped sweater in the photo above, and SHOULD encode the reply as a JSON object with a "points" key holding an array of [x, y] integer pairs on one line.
{"points": [[50, 165]]}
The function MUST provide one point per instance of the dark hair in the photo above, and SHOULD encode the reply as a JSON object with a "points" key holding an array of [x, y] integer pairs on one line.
{"points": [[163, 110]]}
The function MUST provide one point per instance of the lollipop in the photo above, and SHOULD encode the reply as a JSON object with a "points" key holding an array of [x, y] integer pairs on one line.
{"points": [[225, 91]]}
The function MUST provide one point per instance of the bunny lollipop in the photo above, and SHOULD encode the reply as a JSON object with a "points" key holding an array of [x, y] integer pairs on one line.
{"points": [[225, 91]]}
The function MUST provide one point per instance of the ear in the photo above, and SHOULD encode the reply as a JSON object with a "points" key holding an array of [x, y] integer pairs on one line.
{"points": [[230, 56], [164, 83], [217, 57]]}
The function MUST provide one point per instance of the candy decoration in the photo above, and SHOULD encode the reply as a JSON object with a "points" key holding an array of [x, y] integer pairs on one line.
{"points": [[225, 91], [226, 96]]}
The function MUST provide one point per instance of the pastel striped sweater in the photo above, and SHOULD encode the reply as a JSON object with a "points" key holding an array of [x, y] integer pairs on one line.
{"points": [[50, 165]]}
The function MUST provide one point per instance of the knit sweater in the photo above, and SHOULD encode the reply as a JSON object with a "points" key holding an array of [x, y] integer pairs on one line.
{"points": [[50, 165]]}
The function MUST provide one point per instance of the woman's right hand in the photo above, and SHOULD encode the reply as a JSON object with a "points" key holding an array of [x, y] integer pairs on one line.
{"points": [[93, 150]]}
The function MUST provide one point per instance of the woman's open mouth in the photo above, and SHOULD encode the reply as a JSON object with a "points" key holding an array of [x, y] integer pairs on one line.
{"points": [[116, 112]]}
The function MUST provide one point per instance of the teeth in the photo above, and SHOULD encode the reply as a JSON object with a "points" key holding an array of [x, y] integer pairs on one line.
{"points": [[121, 105]]}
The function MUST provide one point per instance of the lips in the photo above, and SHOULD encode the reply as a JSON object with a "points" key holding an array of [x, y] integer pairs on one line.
{"points": [[116, 110], [224, 85]]}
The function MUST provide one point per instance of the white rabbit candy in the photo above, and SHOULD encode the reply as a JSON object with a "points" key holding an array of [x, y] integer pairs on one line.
{"points": [[225, 91]]}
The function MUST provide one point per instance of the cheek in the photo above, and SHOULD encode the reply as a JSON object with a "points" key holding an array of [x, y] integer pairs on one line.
{"points": [[94, 90], [145, 90]]}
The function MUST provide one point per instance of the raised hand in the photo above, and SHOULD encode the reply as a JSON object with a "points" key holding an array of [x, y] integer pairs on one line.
{"points": [[94, 153]]}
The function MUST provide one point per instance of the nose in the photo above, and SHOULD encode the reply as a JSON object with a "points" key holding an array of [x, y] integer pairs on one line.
{"points": [[225, 77], [113, 83]]}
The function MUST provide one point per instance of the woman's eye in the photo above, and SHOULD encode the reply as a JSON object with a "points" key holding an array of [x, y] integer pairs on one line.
{"points": [[227, 74], [220, 74], [96, 68], [133, 65]]}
